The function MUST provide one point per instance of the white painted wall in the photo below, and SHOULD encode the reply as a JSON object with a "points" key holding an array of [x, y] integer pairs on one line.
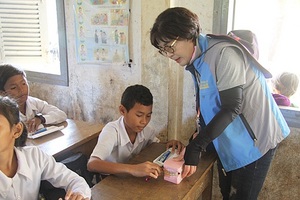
{"points": [[94, 91]]}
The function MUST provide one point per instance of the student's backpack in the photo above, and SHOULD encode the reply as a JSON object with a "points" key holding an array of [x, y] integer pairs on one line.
{"points": [[247, 40]]}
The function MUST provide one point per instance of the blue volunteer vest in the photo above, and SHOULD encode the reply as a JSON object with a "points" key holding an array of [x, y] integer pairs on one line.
{"points": [[236, 146]]}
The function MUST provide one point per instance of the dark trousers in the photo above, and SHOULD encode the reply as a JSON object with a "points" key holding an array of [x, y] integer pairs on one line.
{"points": [[245, 183]]}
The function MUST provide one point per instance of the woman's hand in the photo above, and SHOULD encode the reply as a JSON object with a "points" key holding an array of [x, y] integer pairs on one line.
{"points": [[188, 170]]}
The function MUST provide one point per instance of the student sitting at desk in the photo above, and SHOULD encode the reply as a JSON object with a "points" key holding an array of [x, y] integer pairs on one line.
{"points": [[33, 111], [121, 139], [23, 168]]}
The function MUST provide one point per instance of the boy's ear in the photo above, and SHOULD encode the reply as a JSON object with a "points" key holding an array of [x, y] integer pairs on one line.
{"points": [[122, 109], [18, 130]]}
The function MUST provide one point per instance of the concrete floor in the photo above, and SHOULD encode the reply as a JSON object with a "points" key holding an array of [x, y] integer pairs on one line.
{"points": [[283, 180]]}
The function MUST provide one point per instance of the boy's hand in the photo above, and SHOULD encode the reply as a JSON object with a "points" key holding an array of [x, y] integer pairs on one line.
{"points": [[175, 144], [73, 196], [33, 124], [146, 169]]}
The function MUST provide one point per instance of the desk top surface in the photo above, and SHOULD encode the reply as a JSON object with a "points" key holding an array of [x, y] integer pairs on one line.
{"points": [[129, 187], [73, 135]]}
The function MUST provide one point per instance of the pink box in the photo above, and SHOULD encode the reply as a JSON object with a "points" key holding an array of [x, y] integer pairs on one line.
{"points": [[173, 170]]}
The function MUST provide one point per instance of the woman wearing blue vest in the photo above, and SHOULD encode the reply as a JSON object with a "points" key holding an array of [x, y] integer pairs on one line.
{"points": [[235, 106]]}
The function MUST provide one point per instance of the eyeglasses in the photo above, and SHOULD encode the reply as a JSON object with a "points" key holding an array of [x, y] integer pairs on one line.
{"points": [[168, 49]]}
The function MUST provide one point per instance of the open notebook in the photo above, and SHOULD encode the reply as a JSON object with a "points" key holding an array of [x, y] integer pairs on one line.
{"points": [[44, 131]]}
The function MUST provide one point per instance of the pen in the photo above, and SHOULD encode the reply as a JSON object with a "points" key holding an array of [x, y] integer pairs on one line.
{"points": [[39, 131]]}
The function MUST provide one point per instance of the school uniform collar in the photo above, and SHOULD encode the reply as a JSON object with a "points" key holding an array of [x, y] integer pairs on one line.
{"points": [[23, 166], [124, 138], [31, 109], [31, 106], [23, 170]]}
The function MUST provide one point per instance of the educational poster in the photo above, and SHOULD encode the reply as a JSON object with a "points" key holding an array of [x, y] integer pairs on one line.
{"points": [[101, 31]]}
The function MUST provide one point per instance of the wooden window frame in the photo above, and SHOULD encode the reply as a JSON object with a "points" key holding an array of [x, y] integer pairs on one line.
{"points": [[33, 76]]}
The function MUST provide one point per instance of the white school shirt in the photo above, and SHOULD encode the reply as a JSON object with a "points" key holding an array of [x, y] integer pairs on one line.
{"points": [[114, 144], [33, 166], [34, 106]]}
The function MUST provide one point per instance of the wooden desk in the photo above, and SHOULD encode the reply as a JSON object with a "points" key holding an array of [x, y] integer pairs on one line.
{"points": [[198, 186], [77, 136]]}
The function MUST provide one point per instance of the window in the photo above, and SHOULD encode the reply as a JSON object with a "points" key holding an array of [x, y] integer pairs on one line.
{"points": [[30, 39], [275, 24], [275, 28]]}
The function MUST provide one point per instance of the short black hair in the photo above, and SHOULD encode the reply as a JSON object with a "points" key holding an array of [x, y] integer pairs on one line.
{"points": [[6, 72], [177, 22], [136, 94], [10, 110]]}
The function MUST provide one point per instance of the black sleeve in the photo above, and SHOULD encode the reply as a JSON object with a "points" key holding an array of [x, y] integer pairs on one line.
{"points": [[231, 102]]}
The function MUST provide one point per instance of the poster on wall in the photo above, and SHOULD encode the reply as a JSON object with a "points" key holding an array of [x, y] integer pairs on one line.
{"points": [[101, 28]]}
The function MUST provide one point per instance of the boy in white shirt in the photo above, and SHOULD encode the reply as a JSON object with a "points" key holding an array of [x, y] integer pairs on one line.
{"points": [[33, 111], [121, 139], [23, 168]]}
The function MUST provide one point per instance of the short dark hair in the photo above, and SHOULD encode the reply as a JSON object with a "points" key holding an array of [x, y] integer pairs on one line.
{"points": [[7, 71], [10, 110], [172, 23], [136, 94]]}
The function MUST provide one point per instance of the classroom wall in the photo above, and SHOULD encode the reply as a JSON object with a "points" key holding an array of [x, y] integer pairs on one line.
{"points": [[94, 90]]}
